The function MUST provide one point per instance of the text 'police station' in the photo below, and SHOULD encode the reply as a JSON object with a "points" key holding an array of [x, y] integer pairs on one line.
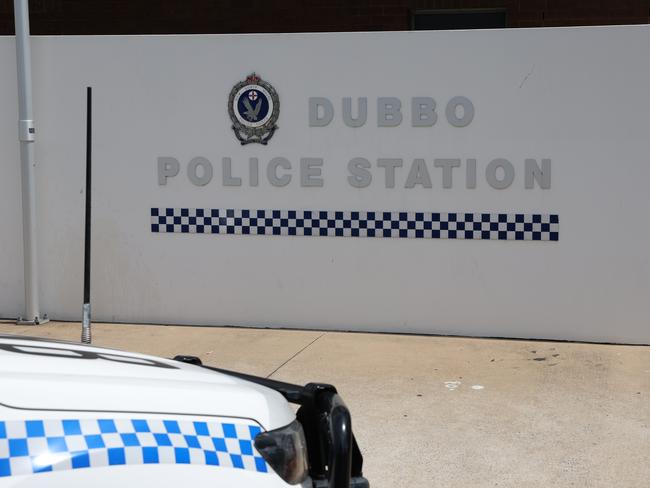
{"points": [[499, 173]]}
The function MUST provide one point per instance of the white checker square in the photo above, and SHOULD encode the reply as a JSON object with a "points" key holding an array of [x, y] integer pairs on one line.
{"points": [[112, 440], [233, 446], [215, 429], [147, 439], [197, 457], [18, 430], [4, 448], [63, 462], [206, 443], [166, 455], [89, 426], [124, 426], [76, 443], [243, 432], [98, 457], [177, 440], [224, 459], [133, 455], [20, 465], [249, 463]]}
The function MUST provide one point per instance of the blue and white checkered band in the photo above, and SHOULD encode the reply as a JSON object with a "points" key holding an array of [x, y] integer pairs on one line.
{"points": [[331, 223], [39, 446]]}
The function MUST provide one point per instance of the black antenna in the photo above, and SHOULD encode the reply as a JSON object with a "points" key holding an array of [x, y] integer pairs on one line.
{"points": [[85, 325]]}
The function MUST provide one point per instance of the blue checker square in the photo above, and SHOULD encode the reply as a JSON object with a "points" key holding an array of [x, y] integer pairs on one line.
{"points": [[172, 427], [219, 444], [260, 465], [71, 427], [57, 444], [246, 447], [211, 458], [3, 431], [34, 428], [201, 428], [5, 468], [116, 456], [140, 425], [41, 468], [150, 455], [107, 426], [80, 459], [162, 440], [18, 447], [192, 441], [130, 440], [94, 442], [182, 455], [237, 461]]}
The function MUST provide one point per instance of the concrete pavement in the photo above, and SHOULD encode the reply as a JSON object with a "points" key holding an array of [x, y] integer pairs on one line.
{"points": [[442, 411]]}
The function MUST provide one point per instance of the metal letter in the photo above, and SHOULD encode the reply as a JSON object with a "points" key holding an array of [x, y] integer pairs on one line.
{"points": [[359, 177], [423, 112], [468, 111], [508, 173], [254, 170], [362, 114], [535, 173], [418, 175], [471, 174], [310, 169], [315, 119], [447, 166], [193, 175], [388, 112], [228, 178], [167, 168], [390, 165], [272, 172]]}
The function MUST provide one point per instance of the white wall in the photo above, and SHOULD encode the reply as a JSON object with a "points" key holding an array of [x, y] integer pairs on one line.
{"points": [[578, 96]]}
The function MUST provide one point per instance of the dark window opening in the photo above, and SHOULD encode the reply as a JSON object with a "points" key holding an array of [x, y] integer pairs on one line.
{"points": [[459, 19]]}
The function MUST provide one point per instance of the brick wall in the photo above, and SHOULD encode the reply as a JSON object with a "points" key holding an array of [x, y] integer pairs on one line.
{"points": [[239, 16]]}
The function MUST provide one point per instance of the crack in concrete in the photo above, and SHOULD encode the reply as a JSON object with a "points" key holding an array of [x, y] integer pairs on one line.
{"points": [[294, 356], [527, 76]]}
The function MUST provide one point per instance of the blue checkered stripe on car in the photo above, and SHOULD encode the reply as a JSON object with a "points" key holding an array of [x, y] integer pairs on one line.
{"points": [[422, 225], [39, 446]]}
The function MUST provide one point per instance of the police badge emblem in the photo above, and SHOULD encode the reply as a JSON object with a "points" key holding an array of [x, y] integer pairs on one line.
{"points": [[254, 108]]}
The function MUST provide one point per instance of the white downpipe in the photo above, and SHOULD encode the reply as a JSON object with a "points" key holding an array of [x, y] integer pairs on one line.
{"points": [[26, 135]]}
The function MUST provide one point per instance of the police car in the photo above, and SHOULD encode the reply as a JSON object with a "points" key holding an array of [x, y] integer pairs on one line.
{"points": [[74, 415]]}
